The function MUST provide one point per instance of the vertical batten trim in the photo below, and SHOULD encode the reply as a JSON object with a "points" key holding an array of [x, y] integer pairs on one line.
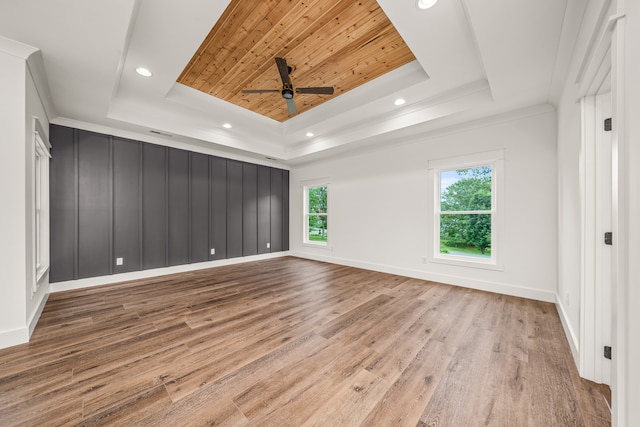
{"points": [[112, 216], [166, 207], [189, 207], [76, 202], [140, 205]]}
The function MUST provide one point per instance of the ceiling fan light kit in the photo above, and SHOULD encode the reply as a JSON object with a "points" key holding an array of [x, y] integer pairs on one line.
{"points": [[287, 93], [287, 88]]}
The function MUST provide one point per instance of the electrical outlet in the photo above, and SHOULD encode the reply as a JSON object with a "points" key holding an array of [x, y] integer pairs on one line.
{"points": [[213, 251], [424, 260], [268, 245], [119, 261]]}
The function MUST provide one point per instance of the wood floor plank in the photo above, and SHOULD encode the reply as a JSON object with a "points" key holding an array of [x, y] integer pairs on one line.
{"points": [[315, 390], [149, 367], [459, 395], [199, 403], [106, 358], [295, 392], [61, 414], [31, 355], [350, 405], [186, 378], [414, 388], [291, 342], [394, 359], [126, 410], [356, 316], [35, 382]]}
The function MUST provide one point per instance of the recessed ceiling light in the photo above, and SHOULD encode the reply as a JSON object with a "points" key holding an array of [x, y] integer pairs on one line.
{"points": [[226, 125], [144, 72], [425, 4], [309, 134], [399, 101]]}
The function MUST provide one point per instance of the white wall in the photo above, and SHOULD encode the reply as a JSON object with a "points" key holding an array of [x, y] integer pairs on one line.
{"points": [[12, 193], [569, 215], [19, 102], [378, 205]]}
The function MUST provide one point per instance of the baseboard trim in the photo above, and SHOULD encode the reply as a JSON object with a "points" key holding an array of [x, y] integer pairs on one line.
{"points": [[33, 321], [22, 335], [568, 331], [145, 274], [482, 285], [14, 337]]}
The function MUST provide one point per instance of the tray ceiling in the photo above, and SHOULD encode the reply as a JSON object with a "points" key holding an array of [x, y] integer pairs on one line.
{"points": [[474, 59], [337, 43]]}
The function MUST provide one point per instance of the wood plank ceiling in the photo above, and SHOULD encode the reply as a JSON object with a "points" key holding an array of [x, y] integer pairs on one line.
{"points": [[339, 43]]}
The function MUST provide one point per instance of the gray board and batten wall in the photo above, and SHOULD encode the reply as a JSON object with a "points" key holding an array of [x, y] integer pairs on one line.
{"points": [[156, 206]]}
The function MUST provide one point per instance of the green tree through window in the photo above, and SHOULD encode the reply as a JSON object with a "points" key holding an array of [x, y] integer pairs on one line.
{"points": [[316, 213], [465, 211]]}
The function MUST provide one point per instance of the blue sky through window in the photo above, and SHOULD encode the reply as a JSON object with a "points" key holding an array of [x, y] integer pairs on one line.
{"points": [[447, 178]]}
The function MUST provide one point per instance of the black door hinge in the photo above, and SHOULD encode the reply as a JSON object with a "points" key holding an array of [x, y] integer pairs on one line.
{"points": [[608, 238], [607, 124], [607, 352]]}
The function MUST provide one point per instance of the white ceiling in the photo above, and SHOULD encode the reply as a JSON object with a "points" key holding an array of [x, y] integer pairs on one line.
{"points": [[475, 58]]}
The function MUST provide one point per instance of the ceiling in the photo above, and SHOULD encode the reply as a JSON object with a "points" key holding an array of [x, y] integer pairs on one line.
{"points": [[473, 59], [336, 43]]}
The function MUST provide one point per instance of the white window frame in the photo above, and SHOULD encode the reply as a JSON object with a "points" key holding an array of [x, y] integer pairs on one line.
{"points": [[40, 187], [493, 158], [305, 211]]}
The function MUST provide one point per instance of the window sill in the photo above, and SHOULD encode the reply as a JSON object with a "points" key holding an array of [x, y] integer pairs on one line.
{"points": [[316, 245], [41, 272], [466, 262]]}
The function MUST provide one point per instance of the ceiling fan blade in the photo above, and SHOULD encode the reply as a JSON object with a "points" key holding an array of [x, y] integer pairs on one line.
{"points": [[291, 106], [316, 90], [283, 69], [260, 90]]}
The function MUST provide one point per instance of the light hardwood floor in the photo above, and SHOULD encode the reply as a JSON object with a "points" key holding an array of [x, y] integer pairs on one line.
{"points": [[292, 342]]}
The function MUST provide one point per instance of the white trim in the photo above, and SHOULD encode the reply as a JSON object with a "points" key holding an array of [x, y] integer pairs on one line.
{"points": [[38, 130], [23, 334], [467, 160], [568, 330], [14, 337], [145, 274], [41, 209], [35, 316], [598, 54], [171, 141], [624, 400], [481, 285]]}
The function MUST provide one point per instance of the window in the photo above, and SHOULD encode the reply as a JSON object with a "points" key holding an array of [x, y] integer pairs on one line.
{"points": [[41, 203], [466, 193], [316, 214]]}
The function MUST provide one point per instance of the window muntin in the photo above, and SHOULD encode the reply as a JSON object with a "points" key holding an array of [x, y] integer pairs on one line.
{"points": [[316, 214]]}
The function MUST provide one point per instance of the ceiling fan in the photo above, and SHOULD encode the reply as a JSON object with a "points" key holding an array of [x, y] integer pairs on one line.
{"points": [[287, 88]]}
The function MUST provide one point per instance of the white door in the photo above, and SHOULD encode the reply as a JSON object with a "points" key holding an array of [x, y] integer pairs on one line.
{"points": [[603, 224]]}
